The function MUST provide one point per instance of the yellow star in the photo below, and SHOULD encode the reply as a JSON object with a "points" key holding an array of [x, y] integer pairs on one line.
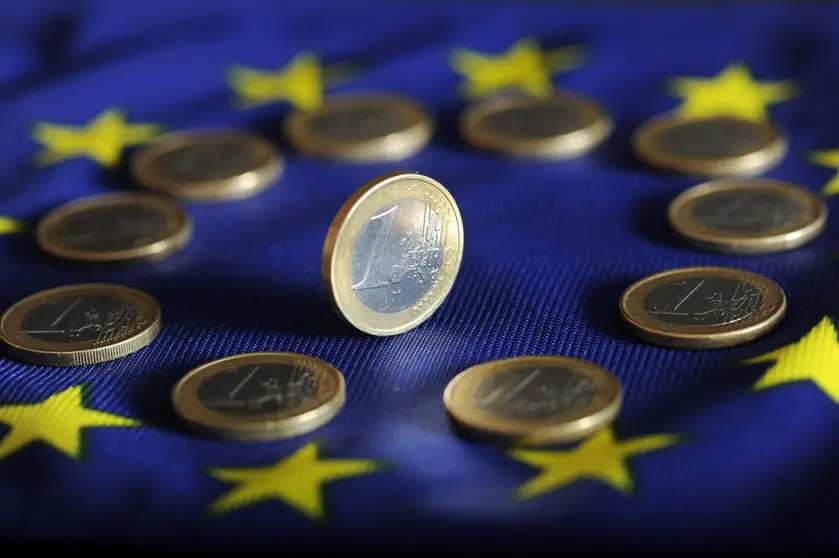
{"points": [[599, 458], [524, 66], [301, 82], [814, 357], [10, 226], [828, 159], [103, 139], [733, 92], [296, 480], [57, 421]]}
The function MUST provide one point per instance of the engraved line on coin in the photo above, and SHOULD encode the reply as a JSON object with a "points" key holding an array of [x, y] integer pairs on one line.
{"points": [[669, 300], [510, 394], [378, 251]]}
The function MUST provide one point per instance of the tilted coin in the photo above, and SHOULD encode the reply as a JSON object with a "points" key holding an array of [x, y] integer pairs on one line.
{"points": [[702, 307], [115, 228], [392, 253], [260, 396], [81, 324], [361, 128], [562, 126], [755, 216], [533, 400], [715, 146], [212, 165]]}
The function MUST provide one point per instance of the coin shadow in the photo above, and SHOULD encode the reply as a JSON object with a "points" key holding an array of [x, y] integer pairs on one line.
{"points": [[617, 150], [447, 130], [603, 311], [649, 219], [119, 176]]}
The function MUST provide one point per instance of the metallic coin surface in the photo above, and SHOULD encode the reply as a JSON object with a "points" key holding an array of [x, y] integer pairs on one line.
{"points": [[260, 396], [115, 228], [533, 400], [702, 307], [212, 165], [361, 128], [562, 126], [716, 146], [81, 324], [754, 216], [392, 253]]}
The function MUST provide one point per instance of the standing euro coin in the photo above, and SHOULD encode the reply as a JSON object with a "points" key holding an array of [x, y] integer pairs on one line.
{"points": [[392, 253]]}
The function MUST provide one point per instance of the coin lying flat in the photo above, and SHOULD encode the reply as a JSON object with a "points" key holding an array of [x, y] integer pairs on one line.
{"points": [[260, 396], [115, 228], [217, 165], [79, 324], [702, 307], [747, 216], [718, 146], [392, 254], [558, 127], [533, 400], [361, 128]]}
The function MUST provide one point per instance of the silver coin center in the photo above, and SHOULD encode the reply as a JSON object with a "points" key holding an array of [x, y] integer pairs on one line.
{"points": [[711, 139], [704, 301], [112, 228], [747, 211], [358, 123], [254, 389], [536, 121], [207, 161], [80, 319]]}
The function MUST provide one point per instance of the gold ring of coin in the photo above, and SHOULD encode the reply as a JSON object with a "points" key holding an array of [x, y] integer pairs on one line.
{"points": [[702, 307], [755, 216], [259, 396], [533, 400], [78, 325]]}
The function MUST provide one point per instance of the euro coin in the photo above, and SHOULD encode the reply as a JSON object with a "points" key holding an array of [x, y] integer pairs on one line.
{"points": [[77, 325], [361, 128], [747, 216], [702, 307], [392, 253], [533, 400], [259, 396], [716, 146], [208, 166], [562, 126], [115, 228]]}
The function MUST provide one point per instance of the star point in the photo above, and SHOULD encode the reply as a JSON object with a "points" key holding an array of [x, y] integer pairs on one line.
{"points": [[301, 83], [11, 226], [829, 159]]}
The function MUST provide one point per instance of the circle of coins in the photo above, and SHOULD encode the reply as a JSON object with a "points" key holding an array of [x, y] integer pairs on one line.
{"points": [[361, 128], [716, 146], [562, 126], [259, 396], [392, 253], [220, 165], [702, 307], [77, 325], [115, 228], [747, 216], [533, 400]]}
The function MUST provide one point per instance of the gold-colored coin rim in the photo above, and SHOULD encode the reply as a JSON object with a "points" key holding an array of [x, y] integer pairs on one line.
{"points": [[156, 250], [564, 146], [603, 410], [243, 186], [645, 146], [658, 332], [393, 147], [792, 236], [25, 348], [342, 236], [329, 400]]}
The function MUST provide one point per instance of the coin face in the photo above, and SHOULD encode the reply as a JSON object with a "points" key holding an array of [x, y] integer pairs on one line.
{"points": [[203, 166], [115, 228], [559, 127], [260, 396], [533, 400], [392, 254], [361, 128], [747, 216], [702, 307], [79, 324], [718, 146]]}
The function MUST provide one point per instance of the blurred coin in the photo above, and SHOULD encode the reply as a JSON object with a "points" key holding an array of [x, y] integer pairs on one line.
{"points": [[533, 400], [212, 165], [392, 254], [259, 396], [717, 146], [79, 324], [361, 128], [702, 307], [115, 228], [755, 216]]}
